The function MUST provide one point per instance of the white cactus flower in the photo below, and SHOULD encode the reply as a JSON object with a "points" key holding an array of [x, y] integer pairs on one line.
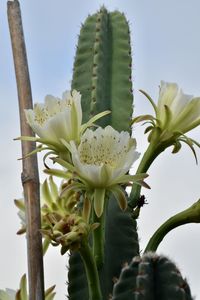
{"points": [[175, 114], [57, 119], [102, 160], [104, 156], [176, 111], [8, 294], [21, 293]]}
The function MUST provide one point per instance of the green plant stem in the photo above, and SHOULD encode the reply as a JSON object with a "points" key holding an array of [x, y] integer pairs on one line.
{"points": [[153, 150], [190, 215], [99, 239], [91, 272]]}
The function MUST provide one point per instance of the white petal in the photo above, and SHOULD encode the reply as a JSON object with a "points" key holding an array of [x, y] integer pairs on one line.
{"points": [[130, 158], [51, 104], [188, 118], [168, 92], [8, 294], [60, 125], [66, 95], [180, 101], [74, 96], [29, 116], [90, 173]]}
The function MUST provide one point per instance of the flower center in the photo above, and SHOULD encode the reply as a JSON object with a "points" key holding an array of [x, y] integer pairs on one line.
{"points": [[42, 113], [98, 150]]}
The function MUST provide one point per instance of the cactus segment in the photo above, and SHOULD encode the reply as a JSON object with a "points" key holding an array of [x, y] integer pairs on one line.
{"points": [[83, 64], [77, 281], [121, 82], [151, 277], [102, 69], [121, 244], [102, 74]]}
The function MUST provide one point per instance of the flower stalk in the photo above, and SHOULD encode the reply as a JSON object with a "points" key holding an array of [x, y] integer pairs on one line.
{"points": [[153, 150], [91, 271], [175, 114], [99, 238], [190, 215]]}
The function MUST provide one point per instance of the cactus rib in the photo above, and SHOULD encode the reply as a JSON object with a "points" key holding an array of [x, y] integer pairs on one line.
{"points": [[151, 277]]}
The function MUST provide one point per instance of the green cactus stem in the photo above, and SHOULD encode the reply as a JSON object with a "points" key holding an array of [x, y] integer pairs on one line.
{"points": [[102, 74], [189, 215], [151, 277], [154, 149], [102, 69], [77, 281], [121, 244], [99, 239], [120, 234], [91, 272]]}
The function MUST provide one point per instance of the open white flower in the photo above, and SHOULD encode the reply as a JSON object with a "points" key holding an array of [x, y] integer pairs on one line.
{"points": [[176, 111], [57, 119], [22, 293], [175, 114], [8, 294], [101, 162], [104, 156]]}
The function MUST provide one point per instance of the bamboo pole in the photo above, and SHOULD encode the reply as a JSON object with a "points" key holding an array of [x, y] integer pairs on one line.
{"points": [[30, 177]]}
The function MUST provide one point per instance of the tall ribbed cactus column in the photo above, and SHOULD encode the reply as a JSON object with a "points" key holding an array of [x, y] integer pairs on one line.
{"points": [[102, 68], [102, 73]]}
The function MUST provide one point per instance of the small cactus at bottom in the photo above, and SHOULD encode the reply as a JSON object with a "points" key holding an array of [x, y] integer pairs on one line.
{"points": [[151, 277]]}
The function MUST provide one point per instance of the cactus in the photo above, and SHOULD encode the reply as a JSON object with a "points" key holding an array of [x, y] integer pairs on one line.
{"points": [[102, 73], [102, 68], [77, 281], [123, 238], [151, 277]]}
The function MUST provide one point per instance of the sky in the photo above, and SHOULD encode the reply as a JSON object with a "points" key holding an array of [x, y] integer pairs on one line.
{"points": [[166, 45]]}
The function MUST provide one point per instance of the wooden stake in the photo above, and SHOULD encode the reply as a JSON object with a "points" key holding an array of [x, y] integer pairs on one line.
{"points": [[30, 177]]}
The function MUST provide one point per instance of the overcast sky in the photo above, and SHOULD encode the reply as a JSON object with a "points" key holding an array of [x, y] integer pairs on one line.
{"points": [[166, 46]]}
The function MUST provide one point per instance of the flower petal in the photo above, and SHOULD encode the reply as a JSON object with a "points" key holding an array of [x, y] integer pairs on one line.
{"points": [[168, 92], [86, 210], [119, 195], [189, 118], [99, 199], [57, 118]]}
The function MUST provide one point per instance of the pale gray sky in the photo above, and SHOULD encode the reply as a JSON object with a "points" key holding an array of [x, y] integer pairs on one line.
{"points": [[166, 45]]}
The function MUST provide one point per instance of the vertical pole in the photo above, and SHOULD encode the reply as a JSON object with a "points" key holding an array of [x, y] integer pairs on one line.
{"points": [[30, 177]]}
